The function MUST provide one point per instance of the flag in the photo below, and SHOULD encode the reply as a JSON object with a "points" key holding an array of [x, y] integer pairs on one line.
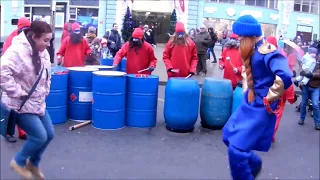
{"points": [[181, 5]]}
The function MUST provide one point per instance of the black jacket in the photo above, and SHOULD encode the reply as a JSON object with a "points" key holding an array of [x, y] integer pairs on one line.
{"points": [[214, 39]]}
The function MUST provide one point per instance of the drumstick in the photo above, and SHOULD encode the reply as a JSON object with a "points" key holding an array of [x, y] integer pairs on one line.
{"points": [[228, 59], [71, 128], [143, 70], [188, 76]]}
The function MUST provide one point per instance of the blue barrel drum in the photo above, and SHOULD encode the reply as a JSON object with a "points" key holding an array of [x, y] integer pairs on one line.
{"points": [[237, 97], [181, 104], [124, 65], [109, 100], [56, 101], [101, 67], [80, 93], [142, 100], [216, 102], [107, 61]]}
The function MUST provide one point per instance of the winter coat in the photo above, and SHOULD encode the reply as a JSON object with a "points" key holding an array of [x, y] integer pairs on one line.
{"points": [[65, 32], [232, 53], [214, 39], [94, 44], [202, 41], [144, 58], [18, 77], [149, 36], [74, 54], [182, 57], [223, 41], [113, 36]]}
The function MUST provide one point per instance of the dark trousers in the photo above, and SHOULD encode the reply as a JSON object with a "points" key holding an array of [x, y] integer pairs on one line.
{"points": [[202, 63]]}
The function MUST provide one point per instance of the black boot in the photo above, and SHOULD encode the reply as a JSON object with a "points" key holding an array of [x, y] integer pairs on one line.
{"points": [[10, 138], [301, 122], [257, 172], [317, 126]]}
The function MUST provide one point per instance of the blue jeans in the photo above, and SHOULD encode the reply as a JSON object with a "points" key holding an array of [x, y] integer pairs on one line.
{"points": [[313, 93], [40, 133], [212, 51]]}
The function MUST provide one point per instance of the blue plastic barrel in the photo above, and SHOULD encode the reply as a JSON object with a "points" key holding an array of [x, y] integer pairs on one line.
{"points": [[80, 93], [109, 62], [237, 97], [124, 64], [56, 101], [181, 104], [109, 99], [101, 67], [142, 100], [216, 102]]}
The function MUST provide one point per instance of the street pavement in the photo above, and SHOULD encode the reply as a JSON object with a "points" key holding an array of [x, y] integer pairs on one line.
{"points": [[132, 153]]}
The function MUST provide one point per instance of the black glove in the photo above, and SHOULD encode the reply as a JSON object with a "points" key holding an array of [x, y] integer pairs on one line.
{"points": [[294, 73], [169, 70], [191, 73], [296, 83], [302, 73], [59, 63], [308, 74]]}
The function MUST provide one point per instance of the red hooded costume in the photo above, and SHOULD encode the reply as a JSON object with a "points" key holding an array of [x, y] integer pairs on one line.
{"points": [[142, 59], [65, 32], [22, 22], [230, 59], [287, 95], [74, 54], [182, 57]]}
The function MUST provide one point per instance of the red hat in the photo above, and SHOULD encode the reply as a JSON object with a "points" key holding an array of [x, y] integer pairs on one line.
{"points": [[137, 33], [272, 40], [23, 22], [234, 36], [180, 27], [75, 26]]}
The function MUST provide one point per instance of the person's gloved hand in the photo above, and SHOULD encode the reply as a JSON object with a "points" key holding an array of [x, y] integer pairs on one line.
{"points": [[59, 60], [294, 73], [296, 83], [302, 73], [190, 74], [169, 70], [235, 70], [151, 68], [221, 67], [308, 74]]}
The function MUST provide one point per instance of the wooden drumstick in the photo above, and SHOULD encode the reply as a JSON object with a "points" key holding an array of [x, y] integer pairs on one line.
{"points": [[188, 76], [228, 59], [143, 70], [71, 128]]}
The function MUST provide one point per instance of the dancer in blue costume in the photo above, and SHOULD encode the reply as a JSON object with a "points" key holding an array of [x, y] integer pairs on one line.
{"points": [[251, 126]]}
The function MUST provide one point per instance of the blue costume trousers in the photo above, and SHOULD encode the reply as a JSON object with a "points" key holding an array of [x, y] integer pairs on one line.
{"points": [[243, 164]]}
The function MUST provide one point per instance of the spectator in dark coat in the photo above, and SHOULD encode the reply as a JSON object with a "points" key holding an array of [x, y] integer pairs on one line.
{"points": [[214, 39], [202, 41], [114, 40], [149, 35]]}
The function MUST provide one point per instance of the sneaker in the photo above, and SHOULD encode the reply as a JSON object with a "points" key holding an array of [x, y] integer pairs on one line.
{"points": [[301, 122], [10, 138], [317, 126], [22, 171], [35, 171]]}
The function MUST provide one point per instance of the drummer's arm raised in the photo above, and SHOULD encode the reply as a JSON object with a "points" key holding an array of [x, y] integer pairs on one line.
{"points": [[120, 54]]}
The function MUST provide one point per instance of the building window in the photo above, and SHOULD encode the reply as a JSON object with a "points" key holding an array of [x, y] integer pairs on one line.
{"points": [[308, 6]]}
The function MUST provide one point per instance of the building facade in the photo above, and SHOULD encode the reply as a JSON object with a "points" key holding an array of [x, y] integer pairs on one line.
{"points": [[288, 18]]}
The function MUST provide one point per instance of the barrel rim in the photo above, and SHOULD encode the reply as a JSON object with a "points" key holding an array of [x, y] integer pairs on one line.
{"points": [[134, 76], [109, 73], [99, 66], [80, 68]]}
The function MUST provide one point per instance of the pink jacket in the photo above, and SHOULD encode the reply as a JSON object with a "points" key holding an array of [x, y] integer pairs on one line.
{"points": [[17, 77]]}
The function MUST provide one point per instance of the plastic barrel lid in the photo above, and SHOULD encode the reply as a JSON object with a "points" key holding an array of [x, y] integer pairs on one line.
{"points": [[99, 66], [109, 73], [82, 69]]}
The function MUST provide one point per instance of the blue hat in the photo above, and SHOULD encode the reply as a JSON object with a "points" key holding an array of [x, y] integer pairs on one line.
{"points": [[247, 26]]}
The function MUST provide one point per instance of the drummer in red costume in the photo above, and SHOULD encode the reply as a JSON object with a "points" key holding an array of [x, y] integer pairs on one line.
{"points": [[180, 54], [140, 54], [230, 61], [23, 23], [73, 48], [288, 94]]}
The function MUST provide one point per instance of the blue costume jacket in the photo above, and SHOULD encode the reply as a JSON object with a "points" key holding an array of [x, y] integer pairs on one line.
{"points": [[251, 126]]}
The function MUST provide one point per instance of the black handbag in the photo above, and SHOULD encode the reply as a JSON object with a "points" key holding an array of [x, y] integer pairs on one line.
{"points": [[7, 117]]}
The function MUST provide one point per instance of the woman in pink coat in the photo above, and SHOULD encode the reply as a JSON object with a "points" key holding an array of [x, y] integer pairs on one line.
{"points": [[23, 63]]}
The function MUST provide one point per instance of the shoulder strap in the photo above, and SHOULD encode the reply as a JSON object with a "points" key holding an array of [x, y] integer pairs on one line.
{"points": [[32, 89]]}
